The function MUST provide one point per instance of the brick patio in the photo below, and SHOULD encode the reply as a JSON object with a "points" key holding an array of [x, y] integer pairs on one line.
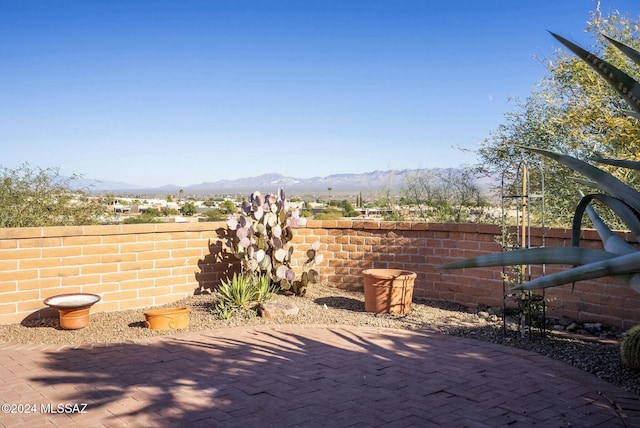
{"points": [[288, 376]]}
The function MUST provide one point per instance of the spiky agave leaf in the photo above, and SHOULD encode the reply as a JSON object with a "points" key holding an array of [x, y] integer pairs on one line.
{"points": [[623, 163], [544, 255], [602, 179], [625, 266], [633, 54], [624, 84], [628, 216], [584, 182], [621, 259]]}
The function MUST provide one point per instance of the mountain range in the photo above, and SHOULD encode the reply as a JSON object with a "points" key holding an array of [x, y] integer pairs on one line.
{"points": [[374, 180]]}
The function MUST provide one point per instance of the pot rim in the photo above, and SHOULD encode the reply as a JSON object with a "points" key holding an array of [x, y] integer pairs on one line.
{"points": [[167, 311], [90, 300], [389, 273]]}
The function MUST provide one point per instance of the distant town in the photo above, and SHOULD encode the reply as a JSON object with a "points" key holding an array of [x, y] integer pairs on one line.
{"points": [[332, 197], [191, 209]]}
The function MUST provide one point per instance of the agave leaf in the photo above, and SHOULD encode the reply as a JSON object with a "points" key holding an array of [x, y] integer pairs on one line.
{"points": [[602, 179], [624, 84], [623, 163], [612, 242], [619, 259], [584, 182], [628, 216], [620, 266], [545, 255], [633, 54]]}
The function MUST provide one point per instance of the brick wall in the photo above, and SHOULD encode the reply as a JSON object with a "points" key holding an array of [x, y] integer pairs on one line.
{"points": [[135, 266], [351, 246], [130, 266]]}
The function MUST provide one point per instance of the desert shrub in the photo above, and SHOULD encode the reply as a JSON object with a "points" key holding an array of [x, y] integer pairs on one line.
{"points": [[240, 291]]}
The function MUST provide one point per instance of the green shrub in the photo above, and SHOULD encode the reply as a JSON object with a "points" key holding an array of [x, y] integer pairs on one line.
{"points": [[216, 215], [239, 292], [143, 218], [329, 215], [630, 349]]}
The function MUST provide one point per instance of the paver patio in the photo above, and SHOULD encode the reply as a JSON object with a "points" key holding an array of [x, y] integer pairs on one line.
{"points": [[308, 376]]}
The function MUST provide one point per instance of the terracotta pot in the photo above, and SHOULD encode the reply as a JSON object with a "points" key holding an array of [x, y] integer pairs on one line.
{"points": [[167, 319], [73, 308], [388, 290], [72, 319]]}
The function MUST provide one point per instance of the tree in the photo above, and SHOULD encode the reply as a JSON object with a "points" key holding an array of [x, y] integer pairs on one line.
{"points": [[228, 207], [572, 111], [36, 197], [346, 207], [188, 208], [451, 195], [619, 258]]}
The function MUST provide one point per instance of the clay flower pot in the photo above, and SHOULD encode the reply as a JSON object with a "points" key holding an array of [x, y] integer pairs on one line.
{"points": [[388, 290], [73, 308], [167, 319]]}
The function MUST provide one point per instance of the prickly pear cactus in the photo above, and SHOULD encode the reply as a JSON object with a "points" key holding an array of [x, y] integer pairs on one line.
{"points": [[630, 349], [261, 241]]}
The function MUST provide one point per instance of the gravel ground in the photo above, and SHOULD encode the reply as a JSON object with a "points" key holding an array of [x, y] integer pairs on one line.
{"points": [[327, 305]]}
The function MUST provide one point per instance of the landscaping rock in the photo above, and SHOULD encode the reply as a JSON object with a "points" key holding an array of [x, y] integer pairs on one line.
{"points": [[593, 327], [277, 310]]}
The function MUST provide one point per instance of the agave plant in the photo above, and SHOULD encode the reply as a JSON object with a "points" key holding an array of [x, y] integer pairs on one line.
{"points": [[619, 258]]}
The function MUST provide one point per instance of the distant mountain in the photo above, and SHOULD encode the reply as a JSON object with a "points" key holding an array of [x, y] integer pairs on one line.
{"points": [[338, 182], [374, 180]]}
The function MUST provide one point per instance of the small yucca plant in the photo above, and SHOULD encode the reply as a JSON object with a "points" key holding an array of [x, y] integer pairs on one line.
{"points": [[263, 288], [240, 291], [237, 291], [619, 258]]}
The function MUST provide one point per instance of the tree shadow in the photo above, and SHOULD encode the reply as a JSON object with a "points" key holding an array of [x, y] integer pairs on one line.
{"points": [[214, 380], [302, 376]]}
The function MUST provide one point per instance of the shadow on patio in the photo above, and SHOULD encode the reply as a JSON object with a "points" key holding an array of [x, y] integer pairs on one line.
{"points": [[318, 376]]}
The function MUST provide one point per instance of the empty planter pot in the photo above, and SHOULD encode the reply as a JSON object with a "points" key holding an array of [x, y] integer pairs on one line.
{"points": [[388, 290], [167, 319], [73, 308]]}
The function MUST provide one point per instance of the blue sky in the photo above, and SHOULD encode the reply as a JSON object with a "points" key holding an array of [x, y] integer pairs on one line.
{"points": [[181, 92]]}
